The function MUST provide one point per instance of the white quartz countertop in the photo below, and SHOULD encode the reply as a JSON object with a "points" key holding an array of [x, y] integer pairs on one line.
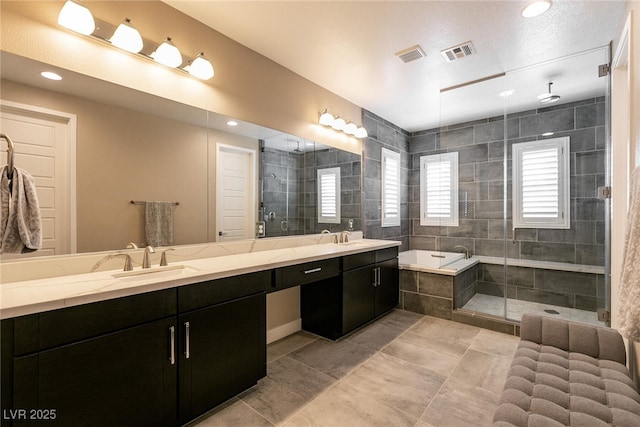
{"points": [[34, 296]]}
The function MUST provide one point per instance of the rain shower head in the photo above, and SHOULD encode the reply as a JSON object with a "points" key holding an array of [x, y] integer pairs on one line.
{"points": [[297, 149], [548, 97]]}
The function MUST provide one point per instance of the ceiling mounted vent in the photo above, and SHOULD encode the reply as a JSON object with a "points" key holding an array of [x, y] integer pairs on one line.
{"points": [[458, 52], [411, 54]]}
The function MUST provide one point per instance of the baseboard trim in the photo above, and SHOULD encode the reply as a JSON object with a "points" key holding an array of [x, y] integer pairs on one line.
{"points": [[282, 331]]}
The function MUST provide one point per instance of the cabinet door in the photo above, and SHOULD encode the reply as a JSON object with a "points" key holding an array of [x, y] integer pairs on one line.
{"points": [[388, 290], [358, 292], [223, 352], [124, 378]]}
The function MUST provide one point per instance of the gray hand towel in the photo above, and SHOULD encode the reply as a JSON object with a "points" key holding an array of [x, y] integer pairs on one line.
{"points": [[20, 225], [629, 290], [158, 223]]}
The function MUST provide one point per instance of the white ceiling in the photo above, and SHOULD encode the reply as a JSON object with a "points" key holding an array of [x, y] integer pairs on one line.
{"points": [[348, 47]]}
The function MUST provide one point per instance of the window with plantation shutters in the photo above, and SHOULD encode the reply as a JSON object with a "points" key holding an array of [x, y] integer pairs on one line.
{"points": [[541, 184], [329, 196], [439, 190], [390, 188]]}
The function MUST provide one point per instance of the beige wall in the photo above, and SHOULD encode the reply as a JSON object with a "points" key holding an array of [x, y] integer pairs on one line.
{"points": [[246, 86], [625, 143], [125, 155]]}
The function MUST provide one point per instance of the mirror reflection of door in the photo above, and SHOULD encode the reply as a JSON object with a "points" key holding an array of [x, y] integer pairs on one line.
{"points": [[235, 189], [44, 143]]}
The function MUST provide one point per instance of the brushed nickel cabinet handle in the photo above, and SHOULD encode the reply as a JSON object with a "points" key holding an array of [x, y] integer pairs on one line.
{"points": [[172, 356], [187, 350], [313, 270]]}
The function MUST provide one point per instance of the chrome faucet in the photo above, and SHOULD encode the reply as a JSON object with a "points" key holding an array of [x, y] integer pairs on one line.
{"points": [[163, 258], [128, 263], [467, 253], [145, 259], [344, 236]]}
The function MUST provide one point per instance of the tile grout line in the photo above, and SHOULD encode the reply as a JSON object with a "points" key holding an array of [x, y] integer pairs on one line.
{"points": [[449, 376], [340, 380]]}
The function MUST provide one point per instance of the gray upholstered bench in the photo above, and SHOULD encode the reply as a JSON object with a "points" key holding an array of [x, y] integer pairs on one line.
{"points": [[568, 374]]}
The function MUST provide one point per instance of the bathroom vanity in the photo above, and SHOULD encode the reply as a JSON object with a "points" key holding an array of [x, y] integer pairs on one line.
{"points": [[178, 346]]}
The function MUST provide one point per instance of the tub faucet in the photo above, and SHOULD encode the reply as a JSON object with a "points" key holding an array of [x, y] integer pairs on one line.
{"points": [[145, 259], [467, 253]]}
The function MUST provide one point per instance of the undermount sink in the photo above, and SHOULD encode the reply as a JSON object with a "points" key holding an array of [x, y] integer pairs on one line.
{"points": [[164, 271], [355, 243]]}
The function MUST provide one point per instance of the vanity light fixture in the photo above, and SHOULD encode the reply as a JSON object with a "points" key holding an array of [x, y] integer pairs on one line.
{"points": [[536, 8], [340, 124], [167, 54], [76, 18], [200, 67], [127, 38], [326, 118], [51, 75]]}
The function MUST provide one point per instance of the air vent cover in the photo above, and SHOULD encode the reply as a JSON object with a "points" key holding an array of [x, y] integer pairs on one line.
{"points": [[458, 52], [411, 54]]}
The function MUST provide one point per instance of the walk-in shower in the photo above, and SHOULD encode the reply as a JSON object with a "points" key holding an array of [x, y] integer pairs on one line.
{"points": [[528, 175]]}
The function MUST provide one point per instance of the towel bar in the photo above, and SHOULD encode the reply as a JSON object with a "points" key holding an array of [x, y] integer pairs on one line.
{"points": [[9, 155], [136, 202]]}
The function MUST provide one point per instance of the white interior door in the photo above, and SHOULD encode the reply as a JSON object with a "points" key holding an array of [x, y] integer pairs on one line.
{"points": [[44, 146], [235, 193]]}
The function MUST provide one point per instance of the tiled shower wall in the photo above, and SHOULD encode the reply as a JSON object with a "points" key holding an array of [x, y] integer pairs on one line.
{"points": [[289, 190], [384, 134], [481, 149]]}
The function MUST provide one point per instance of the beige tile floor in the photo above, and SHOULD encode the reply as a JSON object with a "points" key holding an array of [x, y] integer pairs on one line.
{"points": [[405, 369]]}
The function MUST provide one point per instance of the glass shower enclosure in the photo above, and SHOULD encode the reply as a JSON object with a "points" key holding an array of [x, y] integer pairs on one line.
{"points": [[532, 176]]}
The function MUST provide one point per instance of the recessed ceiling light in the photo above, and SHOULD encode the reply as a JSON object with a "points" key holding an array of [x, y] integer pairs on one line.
{"points": [[50, 75], [536, 8], [507, 93], [232, 123]]}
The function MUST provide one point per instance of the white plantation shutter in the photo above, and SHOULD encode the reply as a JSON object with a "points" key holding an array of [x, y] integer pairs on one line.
{"points": [[390, 188], [439, 190], [541, 184], [329, 196]]}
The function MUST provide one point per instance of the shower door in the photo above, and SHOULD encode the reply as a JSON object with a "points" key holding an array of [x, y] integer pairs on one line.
{"points": [[557, 157]]}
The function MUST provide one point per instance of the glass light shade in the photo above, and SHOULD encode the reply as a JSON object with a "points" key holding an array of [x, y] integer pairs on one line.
{"points": [[326, 118], [167, 54], [338, 123], [127, 38], [350, 128], [201, 68], [536, 8], [361, 132], [76, 18]]}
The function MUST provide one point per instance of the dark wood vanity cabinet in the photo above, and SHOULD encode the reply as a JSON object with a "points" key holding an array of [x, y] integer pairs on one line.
{"points": [[367, 288], [223, 342], [131, 362]]}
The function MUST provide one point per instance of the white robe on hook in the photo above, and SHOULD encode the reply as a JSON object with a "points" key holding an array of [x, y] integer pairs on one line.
{"points": [[629, 292]]}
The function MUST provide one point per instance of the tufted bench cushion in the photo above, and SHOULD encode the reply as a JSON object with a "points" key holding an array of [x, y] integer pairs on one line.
{"points": [[568, 374]]}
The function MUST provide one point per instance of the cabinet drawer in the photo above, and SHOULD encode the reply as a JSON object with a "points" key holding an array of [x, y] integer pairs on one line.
{"points": [[385, 254], [308, 272], [349, 262], [213, 292], [50, 329]]}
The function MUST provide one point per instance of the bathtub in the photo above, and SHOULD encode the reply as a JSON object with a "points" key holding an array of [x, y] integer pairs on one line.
{"points": [[446, 263]]}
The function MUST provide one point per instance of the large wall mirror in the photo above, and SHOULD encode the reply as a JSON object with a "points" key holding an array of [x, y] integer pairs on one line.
{"points": [[94, 147]]}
